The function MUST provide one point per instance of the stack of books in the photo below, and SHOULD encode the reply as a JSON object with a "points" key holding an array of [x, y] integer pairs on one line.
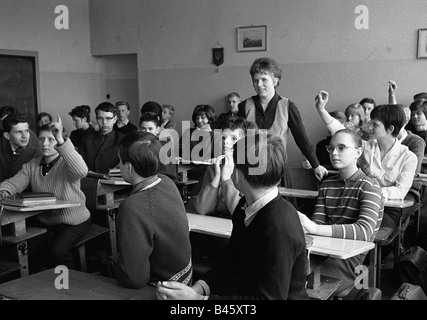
{"points": [[29, 199], [115, 172]]}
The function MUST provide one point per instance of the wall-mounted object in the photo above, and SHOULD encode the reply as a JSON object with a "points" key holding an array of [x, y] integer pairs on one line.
{"points": [[218, 56], [252, 38], [422, 44]]}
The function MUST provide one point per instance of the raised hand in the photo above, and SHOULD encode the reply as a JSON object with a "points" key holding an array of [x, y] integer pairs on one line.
{"points": [[321, 99], [58, 130]]}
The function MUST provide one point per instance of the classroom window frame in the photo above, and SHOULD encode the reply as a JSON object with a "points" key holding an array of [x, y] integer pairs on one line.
{"points": [[29, 109], [253, 38], [422, 44]]}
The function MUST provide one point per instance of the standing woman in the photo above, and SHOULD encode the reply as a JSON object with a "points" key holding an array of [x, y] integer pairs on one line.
{"points": [[349, 206], [275, 113]]}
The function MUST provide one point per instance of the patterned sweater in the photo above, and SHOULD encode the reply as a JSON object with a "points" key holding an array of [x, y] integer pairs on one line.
{"points": [[354, 207], [63, 180], [153, 235]]}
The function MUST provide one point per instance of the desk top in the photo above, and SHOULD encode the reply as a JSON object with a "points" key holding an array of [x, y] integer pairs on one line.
{"points": [[82, 286], [215, 226], [338, 248], [58, 204], [312, 194]]}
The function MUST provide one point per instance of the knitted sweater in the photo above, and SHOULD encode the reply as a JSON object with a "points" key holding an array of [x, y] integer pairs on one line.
{"points": [[265, 260], [63, 180], [153, 236], [353, 207]]}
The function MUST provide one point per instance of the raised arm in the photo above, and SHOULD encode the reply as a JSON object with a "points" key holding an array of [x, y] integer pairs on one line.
{"points": [[332, 124], [76, 165], [392, 86]]}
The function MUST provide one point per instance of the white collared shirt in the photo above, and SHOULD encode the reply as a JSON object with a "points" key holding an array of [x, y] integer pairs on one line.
{"points": [[251, 211]]}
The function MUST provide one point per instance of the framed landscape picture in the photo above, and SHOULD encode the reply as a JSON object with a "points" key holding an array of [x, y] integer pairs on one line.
{"points": [[252, 38]]}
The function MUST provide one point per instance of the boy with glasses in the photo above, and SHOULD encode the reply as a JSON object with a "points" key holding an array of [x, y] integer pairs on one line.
{"points": [[99, 150]]}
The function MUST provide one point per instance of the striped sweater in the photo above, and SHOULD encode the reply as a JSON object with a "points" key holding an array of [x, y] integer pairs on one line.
{"points": [[63, 180], [354, 207]]}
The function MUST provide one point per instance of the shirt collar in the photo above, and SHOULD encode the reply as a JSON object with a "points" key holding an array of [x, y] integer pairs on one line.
{"points": [[252, 210], [404, 135]]}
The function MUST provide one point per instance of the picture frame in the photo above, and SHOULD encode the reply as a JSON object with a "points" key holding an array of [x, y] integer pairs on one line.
{"points": [[422, 44], [253, 38]]}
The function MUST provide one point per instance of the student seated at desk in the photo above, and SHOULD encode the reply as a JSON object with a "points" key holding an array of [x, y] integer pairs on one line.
{"points": [[152, 226], [266, 255], [349, 206], [386, 159], [99, 148], [59, 171], [217, 195], [15, 149], [149, 122]]}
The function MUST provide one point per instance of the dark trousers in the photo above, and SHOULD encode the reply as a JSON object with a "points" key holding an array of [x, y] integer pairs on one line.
{"points": [[60, 242]]}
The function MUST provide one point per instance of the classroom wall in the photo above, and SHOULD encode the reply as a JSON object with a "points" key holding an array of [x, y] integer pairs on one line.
{"points": [[161, 50], [316, 43], [69, 74]]}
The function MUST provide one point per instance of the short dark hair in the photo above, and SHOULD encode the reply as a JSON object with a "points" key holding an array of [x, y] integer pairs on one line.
{"points": [[151, 117], [106, 107], [82, 111], [273, 163], [206, 109], [418, 105], [266, 65], [367, 100], [152, 106], [141, 149], [421, 95], [390, 115], [12, 120], [234, 123]]}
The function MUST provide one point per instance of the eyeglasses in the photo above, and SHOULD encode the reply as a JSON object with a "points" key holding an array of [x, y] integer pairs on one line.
{"points": [[340, 148]]}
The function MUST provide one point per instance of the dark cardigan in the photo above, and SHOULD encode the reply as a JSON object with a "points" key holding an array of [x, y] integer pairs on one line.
{"points": [[266, 260]]}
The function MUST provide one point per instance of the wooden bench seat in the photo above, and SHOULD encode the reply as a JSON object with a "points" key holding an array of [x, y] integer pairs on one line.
{"points": [[93, 232]]}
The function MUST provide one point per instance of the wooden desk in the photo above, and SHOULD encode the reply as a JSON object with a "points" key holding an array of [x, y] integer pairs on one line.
{"points": [[338, 248], [319, 286], [82, 286], [215, 226], [374, 265], [15, 217]]}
